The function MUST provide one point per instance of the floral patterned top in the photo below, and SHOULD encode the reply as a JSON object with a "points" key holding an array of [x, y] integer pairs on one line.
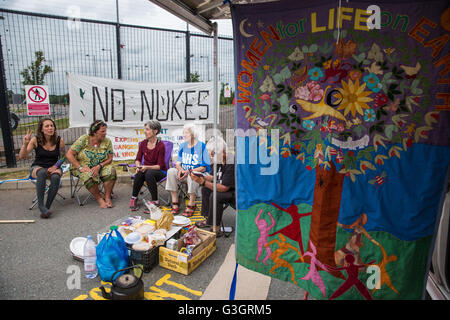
{"points": [[90, 156]]}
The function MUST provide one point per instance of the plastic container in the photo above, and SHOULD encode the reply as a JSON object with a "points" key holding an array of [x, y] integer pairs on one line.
{"points": [[90, 259], [148, 259]]}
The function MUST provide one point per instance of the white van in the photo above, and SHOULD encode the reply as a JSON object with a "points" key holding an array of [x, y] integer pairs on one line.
{"points": [[438, 283]]}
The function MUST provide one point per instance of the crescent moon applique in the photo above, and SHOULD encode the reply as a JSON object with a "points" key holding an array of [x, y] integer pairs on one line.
{"points": [[241, 29]]}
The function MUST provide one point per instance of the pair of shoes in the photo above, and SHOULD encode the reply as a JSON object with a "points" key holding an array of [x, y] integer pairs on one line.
{"points": [[176, 210], [219, 232], [133, 204], [189, 211], [202, 224], [46, 215]]}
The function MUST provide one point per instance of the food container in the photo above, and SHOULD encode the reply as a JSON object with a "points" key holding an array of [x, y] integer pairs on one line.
{"points": [[172, 244]]}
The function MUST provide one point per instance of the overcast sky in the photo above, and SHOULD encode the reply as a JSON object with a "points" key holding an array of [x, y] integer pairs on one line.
{"points": [[137, 12]]}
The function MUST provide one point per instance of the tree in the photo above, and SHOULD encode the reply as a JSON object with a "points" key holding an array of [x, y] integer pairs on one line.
{"points": [[342, 115], [195, 77], [36, 71]]}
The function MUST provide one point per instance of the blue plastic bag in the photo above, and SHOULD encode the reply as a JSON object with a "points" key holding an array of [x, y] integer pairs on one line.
{"points": [[112, 255]]}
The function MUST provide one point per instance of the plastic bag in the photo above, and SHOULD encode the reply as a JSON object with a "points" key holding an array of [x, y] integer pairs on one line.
{"points": [[112, 255], [155, 212]]}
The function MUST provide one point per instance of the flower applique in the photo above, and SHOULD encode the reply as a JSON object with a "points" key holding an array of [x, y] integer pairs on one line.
{"points": [[369, 115], [315, 73], [372, 82]]}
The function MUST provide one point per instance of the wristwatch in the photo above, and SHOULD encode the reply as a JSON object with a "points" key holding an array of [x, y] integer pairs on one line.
{"points": [[101, 167], [203, 183]]}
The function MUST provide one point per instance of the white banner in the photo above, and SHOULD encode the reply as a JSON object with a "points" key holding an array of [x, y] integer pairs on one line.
{"points": [[126, 103], [125, 140]]}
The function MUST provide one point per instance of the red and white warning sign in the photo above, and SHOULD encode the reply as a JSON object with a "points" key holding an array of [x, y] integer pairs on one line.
{"points": [[38, 102]]}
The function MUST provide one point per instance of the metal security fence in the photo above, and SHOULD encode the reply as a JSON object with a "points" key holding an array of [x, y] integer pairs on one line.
{"points": [[102, 49]]}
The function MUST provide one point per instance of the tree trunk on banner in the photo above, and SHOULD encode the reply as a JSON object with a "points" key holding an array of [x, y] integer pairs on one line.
{"points": [[325, 214]]}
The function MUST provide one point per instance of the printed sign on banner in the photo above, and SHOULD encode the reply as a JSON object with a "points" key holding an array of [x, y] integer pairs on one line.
{"points": [[130, 104], [125, 140], [38, 103]]}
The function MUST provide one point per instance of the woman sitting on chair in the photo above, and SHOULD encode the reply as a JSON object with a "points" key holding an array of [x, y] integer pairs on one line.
{"points": [[150, 164], [91, 158], [225, 186], [192, 155], [48, 147]]}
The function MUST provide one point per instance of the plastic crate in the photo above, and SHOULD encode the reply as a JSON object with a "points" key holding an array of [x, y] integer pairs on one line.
{"points": [[148, 259]]}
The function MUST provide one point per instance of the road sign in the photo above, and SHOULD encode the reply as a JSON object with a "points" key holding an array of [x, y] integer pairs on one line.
{"points": [[38, 103]]}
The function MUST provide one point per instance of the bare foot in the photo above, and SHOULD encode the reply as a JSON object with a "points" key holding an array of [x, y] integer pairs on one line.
{"points": [[102, 203], [109, 203]]}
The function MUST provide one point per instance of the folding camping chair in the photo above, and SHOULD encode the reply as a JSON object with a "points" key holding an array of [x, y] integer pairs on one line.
{"points": [[76, 185], [65, 168], [168, 160]]}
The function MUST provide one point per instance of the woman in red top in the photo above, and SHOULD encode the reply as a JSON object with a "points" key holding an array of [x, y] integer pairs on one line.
{"points": [[150, 164]]}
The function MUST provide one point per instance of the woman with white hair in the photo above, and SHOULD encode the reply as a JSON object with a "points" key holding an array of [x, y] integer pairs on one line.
{"points": [[225, 186], [192, 156]]}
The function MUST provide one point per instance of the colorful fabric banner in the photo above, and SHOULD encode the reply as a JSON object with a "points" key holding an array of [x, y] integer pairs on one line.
{"points": [[354, 104]]}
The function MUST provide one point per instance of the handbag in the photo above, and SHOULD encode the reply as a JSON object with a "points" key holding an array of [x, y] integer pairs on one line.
{"points": [[112, 255]]}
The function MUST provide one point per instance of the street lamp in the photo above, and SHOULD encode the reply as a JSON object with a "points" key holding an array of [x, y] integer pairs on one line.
{"points": [[207, 57], [110, 60], [95, 62]]}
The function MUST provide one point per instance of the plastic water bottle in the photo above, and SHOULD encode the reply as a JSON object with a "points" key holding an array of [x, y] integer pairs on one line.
{"points": [[90, 259]]}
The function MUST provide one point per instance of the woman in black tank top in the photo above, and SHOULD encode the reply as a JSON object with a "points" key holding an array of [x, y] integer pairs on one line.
{"points": [[49, 149]]}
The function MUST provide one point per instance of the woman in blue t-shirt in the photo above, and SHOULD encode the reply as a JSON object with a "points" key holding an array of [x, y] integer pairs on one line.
{"points": [[192, 156]]}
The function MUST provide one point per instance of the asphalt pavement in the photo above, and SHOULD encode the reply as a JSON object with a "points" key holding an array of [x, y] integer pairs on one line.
{"points": [[35, 261]]}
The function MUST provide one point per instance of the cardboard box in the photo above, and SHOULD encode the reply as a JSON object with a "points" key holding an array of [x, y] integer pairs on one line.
{"points": [[180, 262]]}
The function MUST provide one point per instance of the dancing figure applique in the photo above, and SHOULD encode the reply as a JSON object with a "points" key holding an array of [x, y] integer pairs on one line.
{"points": [[283, 246], [354, 244], [313, 274], [293, 231], [263, 228], [384, 276], [352, 270]]}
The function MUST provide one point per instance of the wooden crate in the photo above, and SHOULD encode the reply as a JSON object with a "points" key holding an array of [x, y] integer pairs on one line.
{"points": [[180, 262]]}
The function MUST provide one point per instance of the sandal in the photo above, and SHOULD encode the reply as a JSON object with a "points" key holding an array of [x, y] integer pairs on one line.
{"points": [[189, 211], [202, 224], [176, 210]]}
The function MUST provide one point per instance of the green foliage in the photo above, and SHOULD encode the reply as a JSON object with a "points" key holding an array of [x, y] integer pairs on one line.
{"points": [[36, 71]]}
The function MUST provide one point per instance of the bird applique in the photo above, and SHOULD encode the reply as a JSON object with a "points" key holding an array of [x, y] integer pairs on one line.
{"points": [[247, 110], [271, 117], [299, 75], [320, 109], [318, 153], [411, 72]]}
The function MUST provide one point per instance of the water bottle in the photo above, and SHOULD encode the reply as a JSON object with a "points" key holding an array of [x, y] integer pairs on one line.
{"points": [[90, 259]]}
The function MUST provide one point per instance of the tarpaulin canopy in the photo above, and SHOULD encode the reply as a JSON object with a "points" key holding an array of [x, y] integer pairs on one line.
{"points": [[199, 13]]}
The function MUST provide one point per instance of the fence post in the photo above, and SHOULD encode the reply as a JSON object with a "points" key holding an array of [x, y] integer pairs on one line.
{"points": [[188, 56], [118, 44], [5, 119]]}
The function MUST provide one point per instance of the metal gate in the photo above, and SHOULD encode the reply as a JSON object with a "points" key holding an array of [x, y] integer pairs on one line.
{"points": [[101, 49]]}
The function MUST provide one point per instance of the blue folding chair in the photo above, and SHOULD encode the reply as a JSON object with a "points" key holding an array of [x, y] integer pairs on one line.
{"points": [[168, 160], [64, 167]]}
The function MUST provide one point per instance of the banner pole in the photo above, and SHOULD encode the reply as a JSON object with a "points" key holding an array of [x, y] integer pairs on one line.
{"points": [[215, 103]]}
